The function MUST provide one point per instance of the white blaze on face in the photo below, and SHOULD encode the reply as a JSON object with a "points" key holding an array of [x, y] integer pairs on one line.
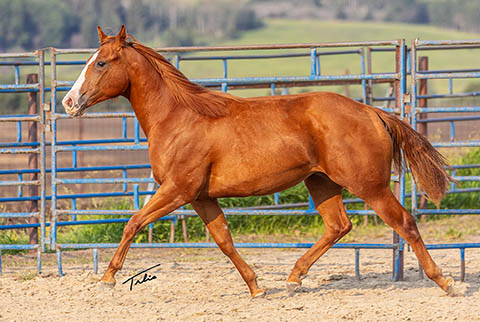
{"points": [[70, 101]]}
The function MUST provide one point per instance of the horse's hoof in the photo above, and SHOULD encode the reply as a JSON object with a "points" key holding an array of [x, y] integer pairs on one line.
{"points": [[452, 290], [292, 286], [258, 294], [107, 285]]}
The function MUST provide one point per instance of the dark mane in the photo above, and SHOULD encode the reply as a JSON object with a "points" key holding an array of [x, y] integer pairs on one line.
{"points": [[193, 96]]}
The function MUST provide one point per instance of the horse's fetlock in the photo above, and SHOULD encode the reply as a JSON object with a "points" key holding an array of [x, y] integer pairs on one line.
{"points": [[434, 273], [299, 270]]}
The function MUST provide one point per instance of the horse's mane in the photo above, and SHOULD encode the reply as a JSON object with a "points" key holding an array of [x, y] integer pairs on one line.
{"points": [[193, 96]]}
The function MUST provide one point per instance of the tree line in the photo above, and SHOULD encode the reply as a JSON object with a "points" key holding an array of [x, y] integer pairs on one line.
{"points": [[455, 14], [31, 24]]}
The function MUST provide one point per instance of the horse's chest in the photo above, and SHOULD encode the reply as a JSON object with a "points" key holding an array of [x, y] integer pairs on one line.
{"points": [[176, 160]]}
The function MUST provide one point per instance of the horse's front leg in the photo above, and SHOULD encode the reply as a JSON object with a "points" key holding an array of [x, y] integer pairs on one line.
{"points": [[212, 215], [165, 200]]}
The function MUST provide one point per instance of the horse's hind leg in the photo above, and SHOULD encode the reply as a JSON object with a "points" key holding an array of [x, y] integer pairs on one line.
{"points": [[213, 217], [327, 197], [391, 211]]}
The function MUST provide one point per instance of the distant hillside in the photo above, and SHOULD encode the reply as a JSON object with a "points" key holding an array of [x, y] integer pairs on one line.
{"points": [[278, 31]]}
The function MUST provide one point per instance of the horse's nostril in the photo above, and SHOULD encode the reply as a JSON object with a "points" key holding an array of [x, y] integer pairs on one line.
{"points": [[69, 102]]}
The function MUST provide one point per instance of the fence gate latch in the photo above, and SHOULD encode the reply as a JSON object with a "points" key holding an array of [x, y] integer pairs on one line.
{"points": [[47, 109]]}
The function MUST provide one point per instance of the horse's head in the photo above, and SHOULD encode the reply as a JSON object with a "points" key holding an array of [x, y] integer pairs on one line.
{"points": [[104, 76]]}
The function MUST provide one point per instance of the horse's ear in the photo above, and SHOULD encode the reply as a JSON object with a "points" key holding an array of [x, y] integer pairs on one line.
{"points": [[101, 34], [121, 38]]}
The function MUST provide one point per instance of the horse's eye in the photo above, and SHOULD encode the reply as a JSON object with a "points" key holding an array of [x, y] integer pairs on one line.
{"points": [[100, 63]]}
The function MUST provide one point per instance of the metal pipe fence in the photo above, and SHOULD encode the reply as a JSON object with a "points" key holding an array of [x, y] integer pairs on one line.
{"points": [[21, 147], [225, 83], [450, 75], [65, 205]]}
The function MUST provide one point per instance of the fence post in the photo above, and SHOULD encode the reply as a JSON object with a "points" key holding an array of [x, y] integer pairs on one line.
{"points": [[79, 154], [184, 229], [172, 231], [398, 253], [367, 54], [369, 72], [42, 111], [33, 158], [422, 127], [346, 87]]}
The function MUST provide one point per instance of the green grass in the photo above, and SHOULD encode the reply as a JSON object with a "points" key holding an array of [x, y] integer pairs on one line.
{"points": [[469, 200], [8, 237], [296, 31]]}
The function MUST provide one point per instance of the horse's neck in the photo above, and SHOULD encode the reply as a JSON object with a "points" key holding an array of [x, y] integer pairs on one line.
{"points": [[150, 99]]}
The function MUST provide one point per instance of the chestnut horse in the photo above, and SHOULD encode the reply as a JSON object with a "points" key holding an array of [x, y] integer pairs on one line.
{"points": [[204, 145]]}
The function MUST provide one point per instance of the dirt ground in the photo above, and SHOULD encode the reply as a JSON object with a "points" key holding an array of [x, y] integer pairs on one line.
{"points": [[202, 285]]}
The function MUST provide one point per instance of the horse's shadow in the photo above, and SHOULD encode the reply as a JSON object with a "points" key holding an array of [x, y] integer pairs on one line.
{"points": [[370, 281]]}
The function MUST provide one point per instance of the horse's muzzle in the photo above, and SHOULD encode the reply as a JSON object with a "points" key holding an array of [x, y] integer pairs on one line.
{"points": [[74, 108]]}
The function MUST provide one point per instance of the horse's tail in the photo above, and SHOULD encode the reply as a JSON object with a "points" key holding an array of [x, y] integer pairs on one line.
{"points": [[426, 163]]}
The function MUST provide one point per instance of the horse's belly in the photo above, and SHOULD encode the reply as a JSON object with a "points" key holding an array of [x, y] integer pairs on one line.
{"points": [[255, 180]]}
